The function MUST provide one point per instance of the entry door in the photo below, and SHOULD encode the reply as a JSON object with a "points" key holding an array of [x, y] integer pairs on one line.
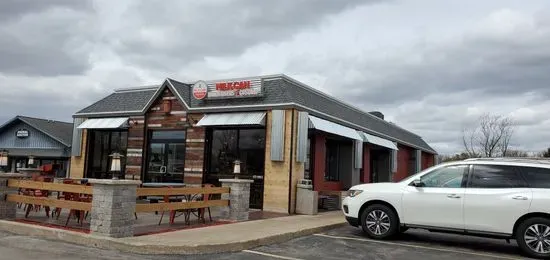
{"points": [[166, 157], [496, 197], [440, 202]]}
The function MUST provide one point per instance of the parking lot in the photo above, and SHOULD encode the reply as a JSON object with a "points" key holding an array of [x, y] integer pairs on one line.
{"points": [[341, 243]]}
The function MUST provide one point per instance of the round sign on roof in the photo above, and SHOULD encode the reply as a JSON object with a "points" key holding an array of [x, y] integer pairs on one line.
{"points": [[200, 90]]}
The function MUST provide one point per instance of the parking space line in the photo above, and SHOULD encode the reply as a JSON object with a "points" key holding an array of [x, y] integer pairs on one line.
{"points": [[418, 247], [271, 255]]}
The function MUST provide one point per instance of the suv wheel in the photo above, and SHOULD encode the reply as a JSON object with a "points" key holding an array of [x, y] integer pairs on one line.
{"points": [[533, 237], [379, 222]]}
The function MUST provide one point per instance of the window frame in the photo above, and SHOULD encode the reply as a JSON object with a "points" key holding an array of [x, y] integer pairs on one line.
{"points": [[465, 176], [515, 168]]}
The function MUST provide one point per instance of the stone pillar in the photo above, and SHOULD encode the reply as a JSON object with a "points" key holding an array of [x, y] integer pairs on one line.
{"points": [[113, 207], [8, 209], [239, 199]]}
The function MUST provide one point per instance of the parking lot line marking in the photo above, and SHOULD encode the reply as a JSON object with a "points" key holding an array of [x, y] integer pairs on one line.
{"points": [[419, 247], [271, 255]]}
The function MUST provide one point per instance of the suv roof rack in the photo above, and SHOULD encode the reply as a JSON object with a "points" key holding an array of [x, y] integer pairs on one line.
{"points": [[540, 160]]}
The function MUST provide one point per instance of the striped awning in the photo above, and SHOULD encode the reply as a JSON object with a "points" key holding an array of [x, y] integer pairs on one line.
{"points": [[333, 128], [233, 119], [104, 123], [379, 141]]}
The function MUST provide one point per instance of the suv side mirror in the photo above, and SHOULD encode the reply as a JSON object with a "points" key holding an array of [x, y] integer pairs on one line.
{"points": [[417, 183]]}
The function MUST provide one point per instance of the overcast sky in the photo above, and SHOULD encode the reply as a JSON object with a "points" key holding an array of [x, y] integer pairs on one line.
{"points": [[430, 66]]}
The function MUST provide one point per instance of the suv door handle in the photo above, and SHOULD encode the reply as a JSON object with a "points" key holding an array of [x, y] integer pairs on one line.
{"points": [[453, 196], [520, 198]]}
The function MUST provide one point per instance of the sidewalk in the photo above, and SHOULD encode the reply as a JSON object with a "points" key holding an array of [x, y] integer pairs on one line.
{"points": [[214, 239]]}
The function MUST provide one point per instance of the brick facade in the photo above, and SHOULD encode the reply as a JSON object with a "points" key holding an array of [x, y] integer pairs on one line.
{"points": [[404, 156], [167, 113], [427, 160]]}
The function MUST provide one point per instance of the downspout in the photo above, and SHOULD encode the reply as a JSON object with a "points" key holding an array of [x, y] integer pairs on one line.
{"points": [[291, 162]]}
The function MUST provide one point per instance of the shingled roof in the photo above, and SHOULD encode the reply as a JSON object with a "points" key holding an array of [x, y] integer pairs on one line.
{"points": [[280, 91], [60, 131]]}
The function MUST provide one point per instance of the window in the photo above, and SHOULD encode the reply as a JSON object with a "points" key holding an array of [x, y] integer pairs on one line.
{"points": [[307, 166], [496, 176], [447, 177], [537, 177], [332, 172], [228, 145], [101, 145]]}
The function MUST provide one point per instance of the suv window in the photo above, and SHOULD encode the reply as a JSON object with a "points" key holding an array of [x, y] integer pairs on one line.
{"points": [[496, 176], [537, 177], [446, 177]]}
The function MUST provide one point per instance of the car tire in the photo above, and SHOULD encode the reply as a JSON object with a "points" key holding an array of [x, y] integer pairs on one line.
{"points": [[379, 222], [532, 233]]}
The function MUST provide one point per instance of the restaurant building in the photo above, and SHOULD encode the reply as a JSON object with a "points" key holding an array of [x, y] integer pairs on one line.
{"points": [[27, 142], [280, 130]]}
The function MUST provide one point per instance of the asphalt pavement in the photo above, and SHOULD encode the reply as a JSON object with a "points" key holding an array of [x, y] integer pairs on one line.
{"points": [[341, 243]]}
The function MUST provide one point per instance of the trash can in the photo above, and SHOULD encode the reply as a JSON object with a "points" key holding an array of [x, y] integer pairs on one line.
{"points": [[306, 198]]}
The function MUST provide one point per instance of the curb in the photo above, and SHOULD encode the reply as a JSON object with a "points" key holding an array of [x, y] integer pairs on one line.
{"points": [[148, 249]]}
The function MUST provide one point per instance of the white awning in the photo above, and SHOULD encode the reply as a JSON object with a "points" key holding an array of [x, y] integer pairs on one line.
{"points": [[333, 128], [379, 141], [104, 123], [223, 119]]}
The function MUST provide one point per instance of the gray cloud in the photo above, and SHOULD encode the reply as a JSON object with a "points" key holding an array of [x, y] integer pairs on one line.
{"points": [[60, 56], [45, 38], [185, 31], [15, 9]]}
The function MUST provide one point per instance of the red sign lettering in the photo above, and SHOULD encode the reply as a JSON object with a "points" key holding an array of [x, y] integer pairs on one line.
{"points": [[235, 85]]}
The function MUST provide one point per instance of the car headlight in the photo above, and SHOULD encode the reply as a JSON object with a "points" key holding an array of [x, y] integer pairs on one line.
{"points": [[353, 193]]}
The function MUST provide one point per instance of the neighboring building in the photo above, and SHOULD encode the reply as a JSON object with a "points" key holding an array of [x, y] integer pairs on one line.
{"points": [[280, 129], [38, 141]]}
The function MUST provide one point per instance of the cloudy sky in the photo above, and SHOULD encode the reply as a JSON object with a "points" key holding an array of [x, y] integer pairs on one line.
{"points": [[430, 66]]}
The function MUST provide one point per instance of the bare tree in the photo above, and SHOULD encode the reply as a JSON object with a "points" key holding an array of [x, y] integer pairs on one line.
{"points": [[491, 138], [516, 153]]}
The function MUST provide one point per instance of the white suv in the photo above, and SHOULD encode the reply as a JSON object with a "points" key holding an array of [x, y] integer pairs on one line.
{"points": [[497, 198]]}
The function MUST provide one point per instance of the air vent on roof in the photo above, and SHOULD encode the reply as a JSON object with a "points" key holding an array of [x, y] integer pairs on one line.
{"points": [[377, 114]]}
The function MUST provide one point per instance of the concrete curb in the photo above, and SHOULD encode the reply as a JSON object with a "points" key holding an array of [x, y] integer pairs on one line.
{"points": [[149, 249]]}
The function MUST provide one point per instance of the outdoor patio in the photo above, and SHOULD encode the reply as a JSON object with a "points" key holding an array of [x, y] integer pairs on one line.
{"points": [[145, 223]]}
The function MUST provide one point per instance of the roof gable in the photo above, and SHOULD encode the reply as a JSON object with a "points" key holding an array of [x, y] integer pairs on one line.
{"points": [[57, 130]]}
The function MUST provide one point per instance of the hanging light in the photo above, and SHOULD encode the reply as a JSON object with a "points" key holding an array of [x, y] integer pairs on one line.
{"points": [[4, 158], [115, 163]]}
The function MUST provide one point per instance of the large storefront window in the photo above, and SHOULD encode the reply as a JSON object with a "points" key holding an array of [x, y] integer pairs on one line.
{"points": [[228, 145], [101, 145], [166, 157], [246, 145]]}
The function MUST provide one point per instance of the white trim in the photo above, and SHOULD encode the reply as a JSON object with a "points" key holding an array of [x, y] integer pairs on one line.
{"points": [[107, 113], [178, 94], [137, 89]]}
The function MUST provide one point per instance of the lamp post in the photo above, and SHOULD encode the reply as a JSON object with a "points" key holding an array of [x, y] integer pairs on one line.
{"points": [[31, 161], [236, 168], [3, 159], [115, 164]]}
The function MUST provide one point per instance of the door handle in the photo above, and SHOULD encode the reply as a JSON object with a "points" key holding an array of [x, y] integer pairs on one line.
{"points": [[520, 198], [163, 169], [453, 196]]}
